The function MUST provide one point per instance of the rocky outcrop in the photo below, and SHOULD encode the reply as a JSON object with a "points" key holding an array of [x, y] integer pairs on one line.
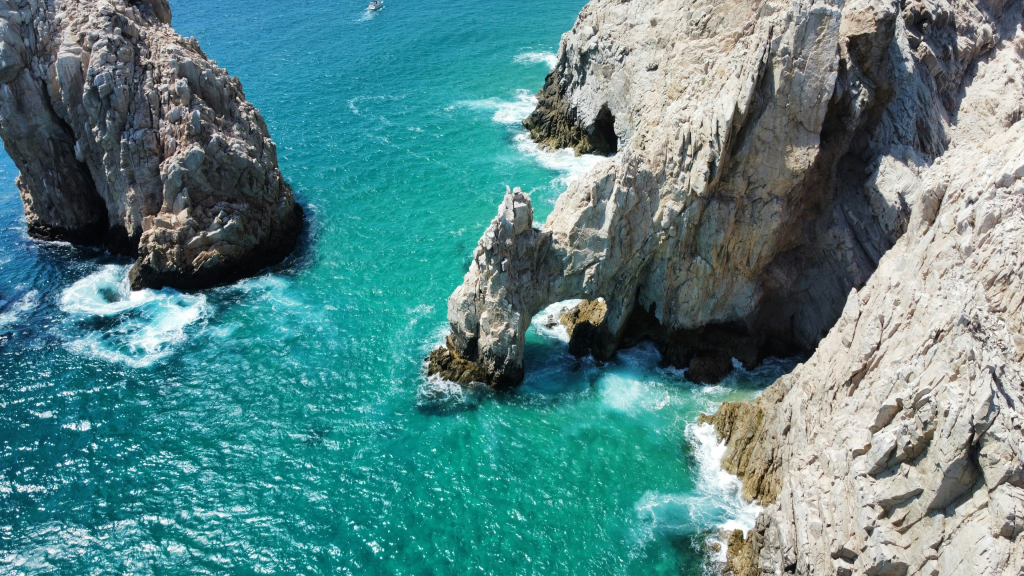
{"points": [[897, 448], [128, 135], [583, 324], [772, 158], [768, 155]]}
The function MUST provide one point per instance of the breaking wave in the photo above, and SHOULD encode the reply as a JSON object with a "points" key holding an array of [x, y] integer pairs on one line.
{"points": [[549, 58], [137, 328], [564, 161], [12, 312], [506, 112]]}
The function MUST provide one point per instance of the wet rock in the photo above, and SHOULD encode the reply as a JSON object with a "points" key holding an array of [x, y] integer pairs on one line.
{"points": [[444, 363], [709, 369], [583, 322], [127, 135]]}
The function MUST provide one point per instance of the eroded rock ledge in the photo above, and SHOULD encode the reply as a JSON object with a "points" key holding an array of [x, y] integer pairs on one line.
{"points": [[127, 135], [897, 448]]}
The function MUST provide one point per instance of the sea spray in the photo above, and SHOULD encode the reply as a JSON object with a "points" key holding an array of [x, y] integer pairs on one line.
{"points": [[13, 312], [548, 58], [137, 328]]}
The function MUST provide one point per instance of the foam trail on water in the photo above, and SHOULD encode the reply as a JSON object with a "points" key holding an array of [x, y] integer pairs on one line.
{"points": [[506, 112], [137, 328], [548, 324], [715, 506], [565, 160], [549, 58], [718, 490]]}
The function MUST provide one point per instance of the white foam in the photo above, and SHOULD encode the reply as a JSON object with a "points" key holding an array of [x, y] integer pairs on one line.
{"points": [[137, 328], [564, 161], [547, 322], [717, 489], [15, 310], [630, 395], [549, 58], [506, 112], [716, 505]]}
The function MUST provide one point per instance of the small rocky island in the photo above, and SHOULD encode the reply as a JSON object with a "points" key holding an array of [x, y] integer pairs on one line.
{"points": [[128, 136], [839, 179]]}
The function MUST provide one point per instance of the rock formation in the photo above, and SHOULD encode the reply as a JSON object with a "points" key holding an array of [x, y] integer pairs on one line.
{"points": [[769, 156], [128, 135], [897, 448]]}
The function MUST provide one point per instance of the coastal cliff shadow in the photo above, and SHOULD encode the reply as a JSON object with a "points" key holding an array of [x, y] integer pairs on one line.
{"points": [[303, 257]]}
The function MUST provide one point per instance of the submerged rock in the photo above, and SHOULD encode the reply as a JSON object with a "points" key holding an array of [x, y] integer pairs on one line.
{"points": [[709, 369], [127, 135]]}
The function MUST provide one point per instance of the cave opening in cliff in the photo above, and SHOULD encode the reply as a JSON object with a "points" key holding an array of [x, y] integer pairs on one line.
{"points": [[607, 142]]}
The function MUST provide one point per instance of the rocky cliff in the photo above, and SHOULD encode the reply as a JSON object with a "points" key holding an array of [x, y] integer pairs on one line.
{"points": [[897, 448], [771, 158], [127, 135], [768, 154]]}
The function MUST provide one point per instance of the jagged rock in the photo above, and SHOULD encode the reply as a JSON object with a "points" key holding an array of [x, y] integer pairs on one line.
{"points": [[738, 558], [897, 447], [128, 135], [444, 363], [709, 369], [768, 155], [583, 323]]}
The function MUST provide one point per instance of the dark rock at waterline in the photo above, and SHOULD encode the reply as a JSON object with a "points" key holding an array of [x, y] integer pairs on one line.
{"points": [[584, 323], [448, 365], [555, 124], [709, 369]]}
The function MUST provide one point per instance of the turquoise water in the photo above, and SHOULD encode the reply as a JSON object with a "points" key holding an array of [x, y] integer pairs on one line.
{"points": [[282, 424]]}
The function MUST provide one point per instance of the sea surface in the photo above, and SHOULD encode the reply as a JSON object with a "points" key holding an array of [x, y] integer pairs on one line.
{"points": [[283, 424]]}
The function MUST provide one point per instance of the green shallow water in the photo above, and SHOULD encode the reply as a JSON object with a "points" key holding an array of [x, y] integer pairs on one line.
{"points": [[282, 424]]}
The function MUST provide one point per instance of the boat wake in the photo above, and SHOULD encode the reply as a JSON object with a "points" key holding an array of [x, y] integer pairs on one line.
{"points": [[137, 328]]}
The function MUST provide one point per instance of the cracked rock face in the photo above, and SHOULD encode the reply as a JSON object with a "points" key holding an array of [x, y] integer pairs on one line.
{"points": [[838, 177], [897, 448], [128, 135], [768, 155]]}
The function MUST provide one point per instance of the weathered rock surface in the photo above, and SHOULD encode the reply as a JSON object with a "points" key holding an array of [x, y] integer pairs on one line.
{"points": [[770, 155], [583, 322], [897, 448], [128, 135]]}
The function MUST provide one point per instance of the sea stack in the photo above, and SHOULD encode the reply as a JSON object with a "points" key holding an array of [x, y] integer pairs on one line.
{"points": [[127, 135], [841, 179]]}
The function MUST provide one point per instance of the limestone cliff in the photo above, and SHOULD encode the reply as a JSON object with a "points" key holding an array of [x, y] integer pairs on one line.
{"points": [[771, 158], [768, 154], [128, 135], [897, 448]]}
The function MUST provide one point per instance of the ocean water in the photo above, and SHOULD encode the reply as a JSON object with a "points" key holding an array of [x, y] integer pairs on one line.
{"points": [[282, 424]]}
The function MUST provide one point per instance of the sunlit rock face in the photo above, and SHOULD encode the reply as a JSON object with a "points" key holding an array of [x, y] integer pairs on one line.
{"points": [[842, 178], [128, 135], [767, 155]]}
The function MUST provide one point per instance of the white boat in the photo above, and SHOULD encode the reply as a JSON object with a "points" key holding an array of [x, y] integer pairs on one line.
{"points": [[376, 5]]}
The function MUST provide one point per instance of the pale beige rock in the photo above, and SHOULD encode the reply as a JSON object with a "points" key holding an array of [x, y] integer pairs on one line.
{"points": [[126, 134], [770, 155], [897, 447]]}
